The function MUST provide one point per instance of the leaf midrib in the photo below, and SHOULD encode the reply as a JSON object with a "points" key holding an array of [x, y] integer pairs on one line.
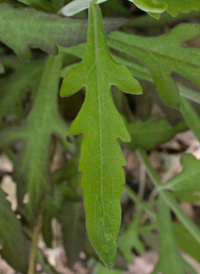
{"points": [[100, 111]]}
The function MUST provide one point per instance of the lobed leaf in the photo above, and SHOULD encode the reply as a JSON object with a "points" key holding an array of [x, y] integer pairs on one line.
{"points": [[11, 237], [101, 157], [43, 30], [32, 169], [164, 55]]}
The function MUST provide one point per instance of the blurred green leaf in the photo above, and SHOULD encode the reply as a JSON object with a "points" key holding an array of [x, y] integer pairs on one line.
{"points": [[66, 189], [153, 7], [191, 117], [74, 233], [145, 21], [170, 260], [70, 173], [130, 239], [32, 169], [43, 30], [151, 133], [11, 237], [100, 269], [189, 178], [2, 70], [163, 55], [185, 241], [52, 206], [45, 265], [23, 80], [114, 8], [186, 195], [39, 4], [168, 198]]}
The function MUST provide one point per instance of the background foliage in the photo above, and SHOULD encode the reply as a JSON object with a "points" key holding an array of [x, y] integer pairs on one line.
{"points": [[153, 52]]}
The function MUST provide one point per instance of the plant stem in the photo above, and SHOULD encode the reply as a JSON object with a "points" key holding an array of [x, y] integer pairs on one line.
{"points": [[34, 242], [168, 198]]}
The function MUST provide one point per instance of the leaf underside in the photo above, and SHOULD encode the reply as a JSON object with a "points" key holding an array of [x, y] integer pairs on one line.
{"points": [[22, 28], [101, 157]]}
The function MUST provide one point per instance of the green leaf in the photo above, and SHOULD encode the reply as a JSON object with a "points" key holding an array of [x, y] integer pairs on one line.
{"points": [[32, 169], [168, 248], [185, 241], [130, 239], [101, 157], [163, 55], [11, 237], [176, 6], [39, 4], [43, 30], [189, 178], [23, 80], [151, 133], [168, 198], [186, 195]]}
